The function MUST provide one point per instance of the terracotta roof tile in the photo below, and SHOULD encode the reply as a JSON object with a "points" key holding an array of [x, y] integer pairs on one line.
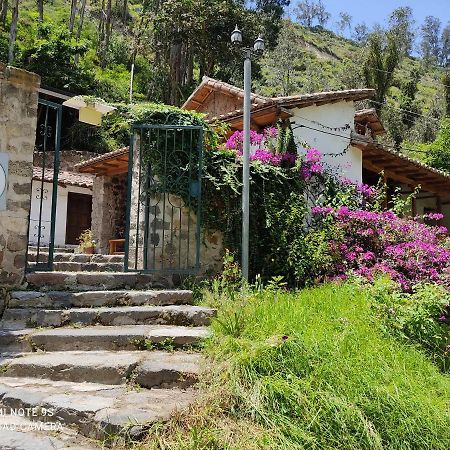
{"points": [[104, 157], [64, 177], [292, 101]]}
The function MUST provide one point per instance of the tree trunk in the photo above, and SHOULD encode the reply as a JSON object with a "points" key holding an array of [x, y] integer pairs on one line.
{"points": [[3, 12], [107, 33], [125, 11], [13, 31], [73, 11], [80, 26], [101, 29], [40, 8]]}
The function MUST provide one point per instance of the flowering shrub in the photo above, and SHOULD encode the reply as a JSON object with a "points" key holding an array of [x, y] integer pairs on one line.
{"points": [[370, 242], [266, 147]]}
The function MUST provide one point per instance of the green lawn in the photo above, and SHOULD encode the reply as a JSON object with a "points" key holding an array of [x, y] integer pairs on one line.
{"points": [[311, 370]]}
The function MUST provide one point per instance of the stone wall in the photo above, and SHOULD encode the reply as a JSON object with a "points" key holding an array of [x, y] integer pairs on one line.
{"points": [[18, 115], [108, 209]]}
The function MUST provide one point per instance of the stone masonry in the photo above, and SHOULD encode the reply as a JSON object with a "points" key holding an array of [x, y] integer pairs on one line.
{"points": [[18, 115], [109, 203]]}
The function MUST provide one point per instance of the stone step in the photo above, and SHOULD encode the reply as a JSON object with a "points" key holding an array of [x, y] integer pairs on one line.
{"points": [[99, 337], [121, 315], [87, 281], [96, 410], [66, 299], [69, 266], [19, 433], [45, 249], [146, 369], [76, 257]]}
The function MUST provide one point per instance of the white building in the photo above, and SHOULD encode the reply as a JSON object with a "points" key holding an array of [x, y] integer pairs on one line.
{"points": [[330, 122], [73, 206]]}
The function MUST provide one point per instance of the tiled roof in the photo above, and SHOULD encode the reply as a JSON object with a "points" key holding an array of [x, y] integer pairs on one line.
{"points": [[104, 157], [370, 117], [64, 177], [209, 84]]}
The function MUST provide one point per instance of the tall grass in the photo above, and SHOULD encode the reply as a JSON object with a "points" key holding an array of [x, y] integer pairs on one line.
{"points": [[312, 370]]}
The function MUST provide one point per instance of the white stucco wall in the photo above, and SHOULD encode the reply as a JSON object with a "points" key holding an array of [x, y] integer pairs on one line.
{"points": [[331, 115], [61, 212]]}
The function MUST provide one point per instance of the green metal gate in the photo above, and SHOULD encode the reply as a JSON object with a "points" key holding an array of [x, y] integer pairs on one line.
{"points": [[42, 219], [164, 199]]}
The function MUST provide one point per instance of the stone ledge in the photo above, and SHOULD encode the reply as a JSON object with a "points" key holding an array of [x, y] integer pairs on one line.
{"points": [[20, 77]]}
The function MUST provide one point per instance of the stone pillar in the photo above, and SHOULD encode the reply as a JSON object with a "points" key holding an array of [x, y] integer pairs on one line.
{"points": [[108, 209], [18, 116]]}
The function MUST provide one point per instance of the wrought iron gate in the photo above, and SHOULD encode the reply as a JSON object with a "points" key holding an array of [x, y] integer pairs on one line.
{"points": [[44, 193], [164, 199]]}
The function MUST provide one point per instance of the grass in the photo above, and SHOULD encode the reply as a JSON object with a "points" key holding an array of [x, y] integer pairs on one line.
{"points": [[310, 370]]}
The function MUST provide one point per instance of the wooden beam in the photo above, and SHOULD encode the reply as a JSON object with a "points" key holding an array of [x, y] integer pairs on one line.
{"points": [[403, 179]]}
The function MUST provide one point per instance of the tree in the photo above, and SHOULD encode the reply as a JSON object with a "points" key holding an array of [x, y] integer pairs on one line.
{"points": [[360, 33], [52, 54], [13, 31], [382, 59], [3, 11], [445, 46], [308, 11], [429, 45], [322, 14], [281, 63], [40, 8], [344, 23], [73, 12], [272, 12], [401, 24], [196, 33]]}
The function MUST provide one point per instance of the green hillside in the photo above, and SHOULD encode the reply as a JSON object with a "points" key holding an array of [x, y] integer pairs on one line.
{"points": [[92, 61]]}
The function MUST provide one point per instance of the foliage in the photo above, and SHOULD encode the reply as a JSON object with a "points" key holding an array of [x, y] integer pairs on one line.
{"points": [[429, 45], [114, 132], [438, 153], [401, 25], [383, 58], [421, 317], [86, 240], [51, 54], [310, 369]]}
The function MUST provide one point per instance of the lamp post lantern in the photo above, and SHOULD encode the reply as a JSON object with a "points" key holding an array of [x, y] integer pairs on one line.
{"points": [[248, 52]]}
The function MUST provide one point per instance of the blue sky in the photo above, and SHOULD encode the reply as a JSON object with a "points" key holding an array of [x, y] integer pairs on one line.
{"points": [[372, 12]]}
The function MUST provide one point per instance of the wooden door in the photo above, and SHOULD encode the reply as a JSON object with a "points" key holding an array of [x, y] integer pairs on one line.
{"points": [[79, 210]]}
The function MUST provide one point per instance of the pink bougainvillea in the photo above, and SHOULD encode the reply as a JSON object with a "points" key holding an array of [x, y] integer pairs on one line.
{"points": [[264, 143], [367, 243]]}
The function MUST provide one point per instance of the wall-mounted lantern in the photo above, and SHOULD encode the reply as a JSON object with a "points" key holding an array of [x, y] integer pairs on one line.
{"points": [[91, 110]]}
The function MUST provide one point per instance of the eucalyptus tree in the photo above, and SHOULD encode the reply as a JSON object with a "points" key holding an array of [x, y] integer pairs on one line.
{"points": [[430, 44], [383, 57], [13, 31], [401, 25]]}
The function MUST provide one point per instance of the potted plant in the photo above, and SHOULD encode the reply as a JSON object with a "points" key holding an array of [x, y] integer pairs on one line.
{"points": [[87, 244]]}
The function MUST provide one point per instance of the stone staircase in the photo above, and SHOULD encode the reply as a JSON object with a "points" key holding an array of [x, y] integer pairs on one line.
{"points": [[105, 353], [65, 259]]}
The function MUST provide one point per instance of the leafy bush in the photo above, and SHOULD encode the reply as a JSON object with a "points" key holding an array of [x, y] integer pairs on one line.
{"points": [[422, 317]]}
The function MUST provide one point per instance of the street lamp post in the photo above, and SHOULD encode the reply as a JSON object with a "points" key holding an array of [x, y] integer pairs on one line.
{"points": [[248, 52]]}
